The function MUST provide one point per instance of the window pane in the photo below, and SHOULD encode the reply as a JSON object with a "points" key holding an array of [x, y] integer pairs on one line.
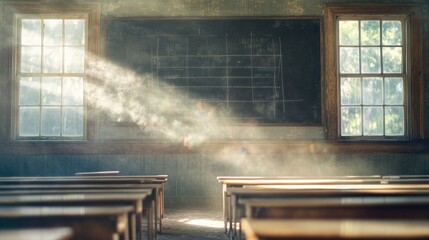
{"points": [[372, 91], [350, 91], [370, 60], [53, 32], [73, 121], [31, 32], [372, 121], [349, 32], [29, 91], [351, 121], [349, 60], [370, 33], [74, 59], [52, 60], [394, 121], [51, 104], [73, 91], [31, 59], [29, 121], [394, 91], [51, 123], [75, 32], [51, 91], [392, 59], [392, 32]]}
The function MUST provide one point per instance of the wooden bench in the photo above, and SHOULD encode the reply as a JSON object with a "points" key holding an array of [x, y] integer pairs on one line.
{"points": [[86, 199], [88, 223]]}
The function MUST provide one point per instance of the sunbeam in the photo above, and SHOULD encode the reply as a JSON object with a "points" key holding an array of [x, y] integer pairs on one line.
{"points": [[156, 107]]}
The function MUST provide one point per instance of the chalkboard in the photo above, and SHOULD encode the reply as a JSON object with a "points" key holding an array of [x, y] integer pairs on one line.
{"points": [[259, 70]]}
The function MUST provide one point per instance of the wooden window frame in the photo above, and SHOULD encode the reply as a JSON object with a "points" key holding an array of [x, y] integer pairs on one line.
{"points": [[415, 60], [9, 58]]}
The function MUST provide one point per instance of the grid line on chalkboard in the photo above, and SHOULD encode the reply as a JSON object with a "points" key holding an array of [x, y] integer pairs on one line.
{"points": [[227, 76], [223, 70]]}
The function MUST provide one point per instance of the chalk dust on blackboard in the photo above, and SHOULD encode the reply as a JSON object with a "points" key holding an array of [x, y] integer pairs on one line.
{"points": [[256, 70]]}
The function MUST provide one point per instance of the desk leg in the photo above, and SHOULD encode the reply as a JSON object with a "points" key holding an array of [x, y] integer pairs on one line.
{"points": [[125, 235], [156, 210], [139, 226], [132, 226], [159, 209], [224, 203], [231, 218], [149, 203]]}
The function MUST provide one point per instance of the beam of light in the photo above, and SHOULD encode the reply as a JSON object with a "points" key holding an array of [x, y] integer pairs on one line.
{"points": [[162, 110], [156, 107]]}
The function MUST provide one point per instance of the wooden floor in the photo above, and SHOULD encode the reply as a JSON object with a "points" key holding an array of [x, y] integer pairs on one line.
{"points": [[193, 224]]}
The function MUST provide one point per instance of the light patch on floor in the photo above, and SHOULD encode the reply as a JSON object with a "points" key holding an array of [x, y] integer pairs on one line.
{"points": [[205, 223]]}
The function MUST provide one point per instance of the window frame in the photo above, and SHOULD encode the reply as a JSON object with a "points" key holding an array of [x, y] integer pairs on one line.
{"points": [[42, 74], [414, 59], [15, 11]]}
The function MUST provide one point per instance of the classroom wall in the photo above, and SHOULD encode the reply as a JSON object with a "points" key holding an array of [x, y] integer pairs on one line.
{"points": [[244, 150]]}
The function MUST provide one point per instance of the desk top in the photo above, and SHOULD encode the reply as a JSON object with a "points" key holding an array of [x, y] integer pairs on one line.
{"points": [[240, 182], [72, 197], [63, 211], [334, 201], [99, 173], [80, 186], [71, 191], [222, 178], [328, 229], [84, 180], [339, 186], [297, 192], [58, 233]]}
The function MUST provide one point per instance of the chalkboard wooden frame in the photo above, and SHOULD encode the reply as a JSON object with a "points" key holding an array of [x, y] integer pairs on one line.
{"points": [[290, 102]]}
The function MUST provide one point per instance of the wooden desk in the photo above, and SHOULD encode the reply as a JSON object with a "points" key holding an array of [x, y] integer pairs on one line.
{"points": [[258, 229], [87, 199], [88, 223], [239, 194], [152, 202], [59, 233], [128, 179], [240, 181]]}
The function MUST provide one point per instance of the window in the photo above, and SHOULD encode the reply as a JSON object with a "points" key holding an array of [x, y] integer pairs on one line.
{"points": [[372, 69], [371, 77], [47, 56], [51, 77]]}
